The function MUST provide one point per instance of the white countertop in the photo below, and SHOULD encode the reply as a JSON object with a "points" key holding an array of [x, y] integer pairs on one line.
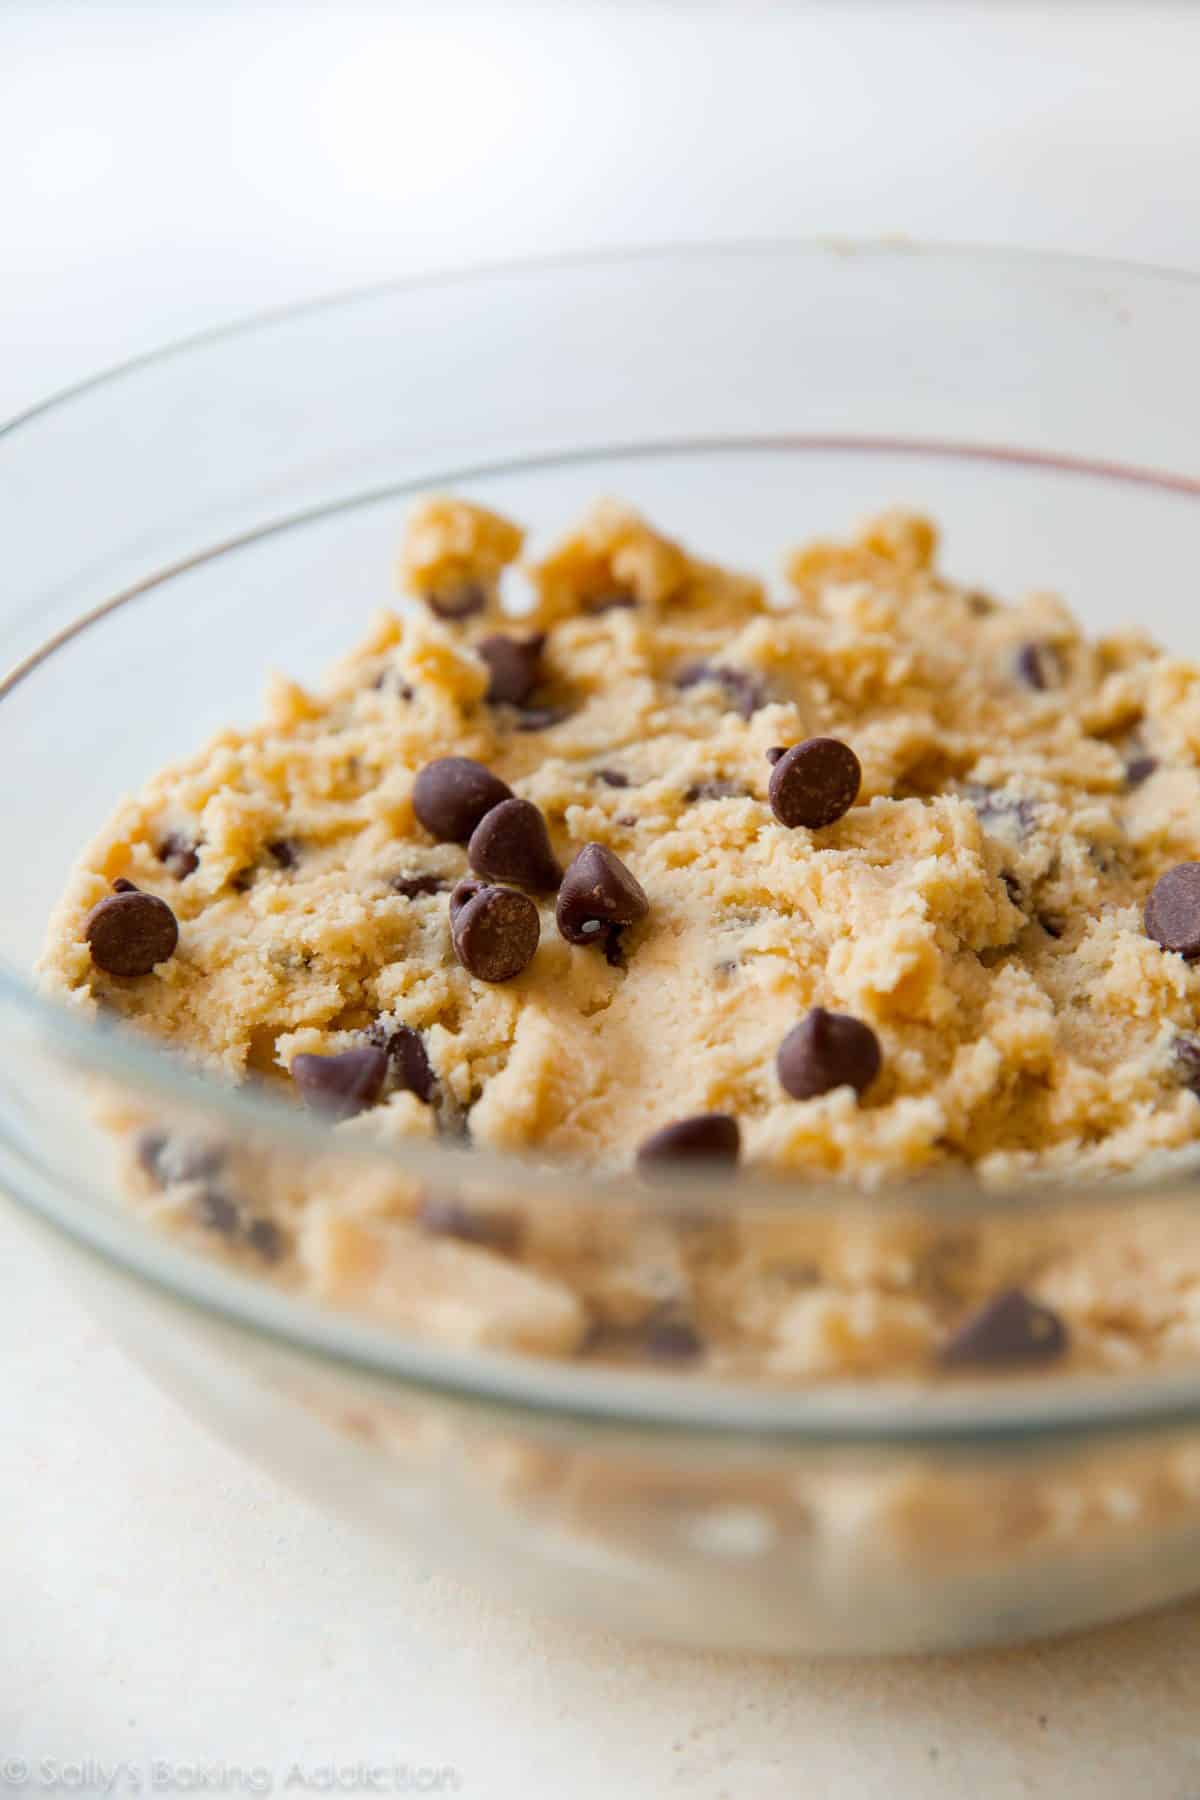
{"points": [[164, 168]]}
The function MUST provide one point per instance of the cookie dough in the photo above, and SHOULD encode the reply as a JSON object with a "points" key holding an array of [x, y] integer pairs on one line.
{"points": [[850, 881]]}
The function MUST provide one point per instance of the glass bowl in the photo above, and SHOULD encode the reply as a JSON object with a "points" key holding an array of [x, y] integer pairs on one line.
{"points": [[175, 528]]}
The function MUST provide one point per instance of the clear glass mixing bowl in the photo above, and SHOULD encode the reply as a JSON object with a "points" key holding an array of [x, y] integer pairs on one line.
{"points": [[173, 529]]}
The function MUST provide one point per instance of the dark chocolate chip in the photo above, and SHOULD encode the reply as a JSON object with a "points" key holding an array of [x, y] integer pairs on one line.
{"points": [[461, 602], [122, 885], [712, 1138], [461, 892], [511, 843], [1011, 1328], [451, 795], [217, 1211], [672, 1340], [1039, 666], [409, 1059], [148, 1149], [814, 783], [743, 691], [598, 892], [826, 1051], [514, 665], [129, 932], [1173, 910], [775, 752], [414, 887], [541, 718], [179, 854], [283, 851], [265, 1236], [344, 1084], [1010, 815], [169, 1160], [495, 932], [1139, 769], [447, 1217], [1185, 1055], [388, 679], [612, 778], [715, 790]]}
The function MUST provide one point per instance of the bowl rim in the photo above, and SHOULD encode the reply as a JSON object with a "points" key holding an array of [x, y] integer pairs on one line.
{"points": [[862, 1412]]}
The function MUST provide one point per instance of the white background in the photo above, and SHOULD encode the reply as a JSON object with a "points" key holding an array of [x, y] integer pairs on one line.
{"points": [[165, 167]]}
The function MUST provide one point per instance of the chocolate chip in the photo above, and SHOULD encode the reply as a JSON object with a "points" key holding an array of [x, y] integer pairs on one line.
{"points": [[414, 887], [168, 1160], [665, 1335], [743, 691], [242, 881], [283, 851], [444, 1216], [1011, 1328], [451, 795], [514, 665], [511, 843], [712, 1138], [461, 892], [122, 885], [265, 1236], [1185, 1055], [389, 680], [494, 932], [541, 718], [344, 1084], [716, 790], [1039, 666], [1139, 769], [217, 1212], [814, 783], [179, 855], [1009, 814], [461, 602], [598, 892], [129, 932], [826, 1051], [672, 1340], [774, 754], [406, 1052], [612, 778], [1173, 910], [148, 1148]]}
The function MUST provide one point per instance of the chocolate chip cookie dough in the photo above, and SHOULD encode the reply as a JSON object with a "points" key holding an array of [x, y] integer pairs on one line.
{"points": [[875, 878]]}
